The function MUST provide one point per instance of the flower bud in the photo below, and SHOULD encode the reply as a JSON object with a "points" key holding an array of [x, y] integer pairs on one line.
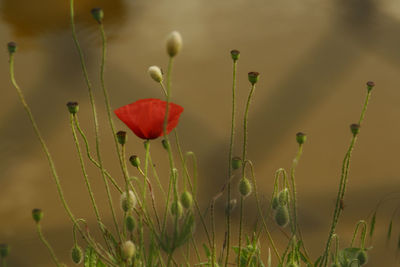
{"points": [[4, 250], [73, 107], [245, 187], [230, 207], [165, 144], [187, 200], [236, 163], [130, 223], [301, 138], [155, 73], [135, 161], [121, 136], [355, 128], [235, 54], [253, 77], [128, 249], [362, 257], [37, 215], [129, 202], [174, 43], [282, 216], [370, 85], [12, 47], [283, 197], [275, 202], [76, 254], [177, 209], [98, 14]]}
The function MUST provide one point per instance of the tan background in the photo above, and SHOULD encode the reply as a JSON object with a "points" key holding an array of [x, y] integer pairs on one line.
{"points": [[314, 58]]}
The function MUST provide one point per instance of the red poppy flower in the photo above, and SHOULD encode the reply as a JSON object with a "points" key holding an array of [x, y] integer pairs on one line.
{"points": [[145, 117]]}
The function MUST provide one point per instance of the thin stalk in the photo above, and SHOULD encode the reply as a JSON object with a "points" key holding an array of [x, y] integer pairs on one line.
{"points": [[240, 229], [294, 191], [48, 246]]}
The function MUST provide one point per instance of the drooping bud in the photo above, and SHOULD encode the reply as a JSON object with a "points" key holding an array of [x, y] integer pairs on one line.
{"points": [[370, 85], [174, 43], [362, 257], [301, 138], [128, 250], [165, 144], [121, 136], [155, 73], [275, 202], [12, 47], [4, 250], [283, 197], [129, 202], [73, 107], [253, 77], [245, 187], [98, 14], [130, 223], [235, 54], [187, 200], [236, 163], [134, 160], [37, 215], [230, 207], [282, 216], [355, 128], [177, 209], [76, 254]]}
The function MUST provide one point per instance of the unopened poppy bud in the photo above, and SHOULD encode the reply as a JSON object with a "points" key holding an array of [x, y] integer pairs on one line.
{"points": [[156, 73], [362, 257], [129, 202], [370, 85], [37, 215], [121, 136], [236, 163], [174, 43], [4, 250], [301, 138], [128, 249], [235, 54], [76, 254], [73, 107], [98, 14], [12, 47], [245, 187], [253, 77], [165, 144], [187, 200], [283, 197], [275, 202], [355, 128], [177, 209], [282, 216], [130, 223], [230, 207], [134, 160]]}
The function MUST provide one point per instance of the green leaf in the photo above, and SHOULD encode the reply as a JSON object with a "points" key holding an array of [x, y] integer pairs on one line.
{"points": [[100, 264], [90, 257], [389, 234], [372, 227]]}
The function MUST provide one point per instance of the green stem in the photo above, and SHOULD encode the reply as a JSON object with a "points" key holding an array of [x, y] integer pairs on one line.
{"points": [[240, 230], [46, 243], [294, 191]]}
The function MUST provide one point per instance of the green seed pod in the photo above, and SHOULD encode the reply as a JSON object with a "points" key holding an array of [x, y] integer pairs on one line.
{"points": [[4, 250], [128, 203], [174, 43], [275, 202], [253, 77], [76, 254], [134, 160], [301, 138], [282, 216], [362, 257], [177, 209], [355, 128], [12, 47], [283, 197], [245, 187], [236, 163], [98, 14], [121, 136], [235, 54], [73, 107], [37, 215], [128, 249], [230, 207], [187, 200], [370, 85], [130, 223], [165, 144]]}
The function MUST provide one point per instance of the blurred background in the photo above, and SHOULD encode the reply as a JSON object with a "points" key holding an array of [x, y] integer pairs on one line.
{"points": [[314, 58]]}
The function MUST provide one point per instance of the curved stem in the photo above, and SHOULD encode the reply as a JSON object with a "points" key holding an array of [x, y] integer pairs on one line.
{"points": [[47, 244]]}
